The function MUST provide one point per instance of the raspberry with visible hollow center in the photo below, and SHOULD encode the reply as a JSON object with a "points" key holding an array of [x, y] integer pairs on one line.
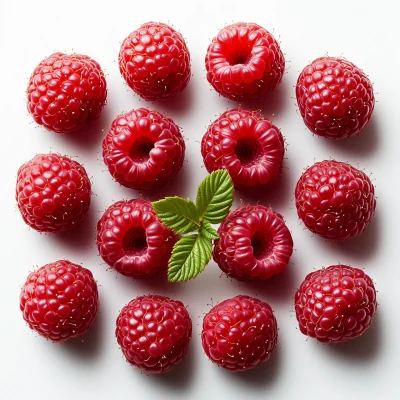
{"points": [[132, 239], [154, 333], [53, 192], [66, 92], [244, 62], [239, 333], [335, 200], [155, 61], [59, 300], [143, 149], [254, 244], [335, 304], [335, 98], [247, 145]]}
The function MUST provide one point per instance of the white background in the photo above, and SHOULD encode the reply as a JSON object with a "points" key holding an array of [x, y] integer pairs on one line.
{"points": [[365, 32]]}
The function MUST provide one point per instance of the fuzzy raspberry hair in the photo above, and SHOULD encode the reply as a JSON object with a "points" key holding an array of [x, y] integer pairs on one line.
{"points": [[143, 149], [335, 200], [155, 61], [59, 300], [66, 92], [53, 192], [244, 62], [154, 333], [132, 239], [254, 244], [335, 304], [335, 97], [247, 145]]}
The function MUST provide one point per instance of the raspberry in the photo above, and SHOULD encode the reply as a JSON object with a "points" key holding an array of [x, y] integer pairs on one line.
{"points": [[53, 192], [335, 200], [132, 240], [246, 144], [254, 244], [335, 98], [239, 333], [155, 61], [335, 304], [244, 62], [143, 149], [59, 300], [154, 333], [66, 92]]}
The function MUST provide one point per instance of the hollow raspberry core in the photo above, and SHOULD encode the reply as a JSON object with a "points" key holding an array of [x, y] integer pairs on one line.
{"points": [[140, 150], [262, 245], [134, 241], [249, 151]]}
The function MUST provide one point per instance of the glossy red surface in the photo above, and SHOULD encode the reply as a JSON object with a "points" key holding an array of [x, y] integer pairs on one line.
{"points": [[154, 333], [335, 304]]}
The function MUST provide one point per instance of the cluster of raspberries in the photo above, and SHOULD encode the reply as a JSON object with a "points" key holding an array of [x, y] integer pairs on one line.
{"points": [[145, 149]]}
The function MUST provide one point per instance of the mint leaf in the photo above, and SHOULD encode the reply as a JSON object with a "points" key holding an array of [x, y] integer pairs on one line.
{"points": [[180, 215], [189, 257], [208, 231], [215, 196]]}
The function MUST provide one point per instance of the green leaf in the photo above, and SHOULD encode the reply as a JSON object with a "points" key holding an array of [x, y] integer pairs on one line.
{"points": [[180, 215], [189, 257], [208, 231], [215, 196]]}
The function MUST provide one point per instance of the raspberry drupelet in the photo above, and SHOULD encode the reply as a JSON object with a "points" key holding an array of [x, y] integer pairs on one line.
{"points": [[132, 239], [143, 149], [154, 333], [247, 145], [244, 62], [66, 92], [155, 61]]}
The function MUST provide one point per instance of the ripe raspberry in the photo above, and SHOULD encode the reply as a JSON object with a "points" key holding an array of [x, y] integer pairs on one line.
{"points": [[155, 61], [335, 304], [335, 200], [154, 333], [335, 98], [244, 62], [53, 192], [239, 333], [132, 240], [59, 300], [254, 244], [65, 92], [246, 144], [143, 149]]}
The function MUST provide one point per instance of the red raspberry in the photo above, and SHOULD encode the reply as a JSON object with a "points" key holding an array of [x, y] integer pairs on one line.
{"points": [[132, 240], [244, 62], [143, 149], [246, 144], [335, 200], [335, 304], [335, 98], [53, 192], [239, 333], [154, 333], [65, 92], [59, 300], [254, 244], [155, 61]]}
